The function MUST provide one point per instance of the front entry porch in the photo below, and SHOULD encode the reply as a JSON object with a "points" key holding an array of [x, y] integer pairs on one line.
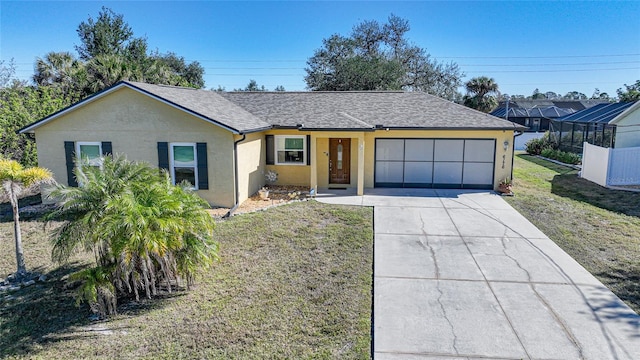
{"points": [[337, 161]]}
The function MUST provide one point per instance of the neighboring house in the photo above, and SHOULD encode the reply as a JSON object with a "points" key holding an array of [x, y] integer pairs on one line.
{"points": [[223, 143], [609, 125], [536, 114]]}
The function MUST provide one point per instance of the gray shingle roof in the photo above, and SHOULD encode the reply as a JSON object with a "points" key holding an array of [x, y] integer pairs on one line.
{"points": [[208, 104], [243, 112], [363, 110]]}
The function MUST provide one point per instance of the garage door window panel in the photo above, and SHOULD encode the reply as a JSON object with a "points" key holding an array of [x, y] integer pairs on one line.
{"points": [[418, 174], [418, 150], [389, 173], [390, 149], [479, 150], [447, 174], [477, 174], [448, 150]]}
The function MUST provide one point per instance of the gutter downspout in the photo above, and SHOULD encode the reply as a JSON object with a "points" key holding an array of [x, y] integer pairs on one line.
{"points": [[235, 179]]}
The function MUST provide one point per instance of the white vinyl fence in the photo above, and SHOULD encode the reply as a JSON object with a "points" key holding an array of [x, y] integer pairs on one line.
{"points": [[611, 167]]}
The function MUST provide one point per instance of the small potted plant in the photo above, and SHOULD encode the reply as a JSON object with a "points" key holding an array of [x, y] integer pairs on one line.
{"points": [[271, 177], [505, 186]]}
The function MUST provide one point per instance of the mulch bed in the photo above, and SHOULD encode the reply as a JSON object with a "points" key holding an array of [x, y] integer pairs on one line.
{"points": [[278, 195]]}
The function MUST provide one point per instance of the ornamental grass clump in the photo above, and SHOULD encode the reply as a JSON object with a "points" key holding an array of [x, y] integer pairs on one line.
{"points": [[146, 234]]}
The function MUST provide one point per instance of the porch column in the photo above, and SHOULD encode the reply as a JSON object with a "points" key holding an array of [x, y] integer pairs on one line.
{"points": [[314, 164], [360, 188]]}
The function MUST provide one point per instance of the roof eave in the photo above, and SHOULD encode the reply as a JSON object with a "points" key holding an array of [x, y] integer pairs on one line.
{"points": [[515, 127]]}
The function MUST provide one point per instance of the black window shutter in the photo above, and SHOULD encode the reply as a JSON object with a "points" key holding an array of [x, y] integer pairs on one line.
{"points": [[163, 155], [270, 142], [106, 148], [69, 151], [203, 169], [308, 149]]}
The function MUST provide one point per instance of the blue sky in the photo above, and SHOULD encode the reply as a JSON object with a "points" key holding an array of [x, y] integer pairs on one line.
{"points": [[554, 46]]}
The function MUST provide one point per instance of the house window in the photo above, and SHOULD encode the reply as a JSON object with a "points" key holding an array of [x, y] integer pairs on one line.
{"points": [[290, 150], [184, 166], [89, 153]]}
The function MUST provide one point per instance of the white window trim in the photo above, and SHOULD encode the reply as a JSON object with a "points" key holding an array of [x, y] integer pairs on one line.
{"points": [[195, 162], [94, 143], [304, 149]]}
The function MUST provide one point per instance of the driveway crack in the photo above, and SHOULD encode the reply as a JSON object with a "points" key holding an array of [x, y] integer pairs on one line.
{"points": [[446, 317], [427, 246]]}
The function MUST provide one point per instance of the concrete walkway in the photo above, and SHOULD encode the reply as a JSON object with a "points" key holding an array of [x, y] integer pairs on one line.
{"points": [[462, 275]]}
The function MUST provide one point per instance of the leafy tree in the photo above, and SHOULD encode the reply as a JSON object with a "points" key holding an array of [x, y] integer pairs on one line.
{"points": [[575, 95], [21, 105], [109, 34], [146, 234], [62, 71], [550, 95], [183, 74], [109, 53], [481, 94], [630, 93], [537, 94], [379, 57], [17, 182], [252, 86], [279, 88], [7, 72]]}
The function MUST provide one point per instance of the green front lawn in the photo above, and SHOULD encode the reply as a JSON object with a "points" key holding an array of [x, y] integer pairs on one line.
{"points": [[292, 282], [598, 227]]}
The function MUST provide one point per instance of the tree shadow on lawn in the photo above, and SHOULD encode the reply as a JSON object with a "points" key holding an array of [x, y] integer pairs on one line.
{"points": [[571, 186], [627, 288], [547, 164], [46, 312], [32, 313], [568, 184]]}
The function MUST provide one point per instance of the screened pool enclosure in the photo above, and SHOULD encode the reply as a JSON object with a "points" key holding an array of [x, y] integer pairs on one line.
{"points": [[590, 125]]}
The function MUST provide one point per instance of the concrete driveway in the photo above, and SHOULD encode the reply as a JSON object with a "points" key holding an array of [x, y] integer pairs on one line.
{"points": [[462, 275]]}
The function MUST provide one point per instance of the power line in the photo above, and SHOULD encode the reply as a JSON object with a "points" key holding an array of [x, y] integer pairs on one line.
{"points": [[534, 57], [564, 64], [559, 70]]}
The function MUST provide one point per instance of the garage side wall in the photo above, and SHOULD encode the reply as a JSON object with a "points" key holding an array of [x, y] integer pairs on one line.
{"points": [[251, 164], [134, 123], [503, 157]]}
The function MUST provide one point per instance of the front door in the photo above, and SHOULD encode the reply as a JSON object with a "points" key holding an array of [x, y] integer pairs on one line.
{"points": [[339, 161]]}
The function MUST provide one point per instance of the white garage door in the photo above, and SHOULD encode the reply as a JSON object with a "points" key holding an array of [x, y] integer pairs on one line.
{"points": [[439, 163]]}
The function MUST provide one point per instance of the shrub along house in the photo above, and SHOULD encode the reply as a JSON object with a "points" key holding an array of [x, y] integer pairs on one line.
{"points": [[223, 143]]}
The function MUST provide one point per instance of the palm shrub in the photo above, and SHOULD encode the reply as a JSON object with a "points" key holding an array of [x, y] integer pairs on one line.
{"points": [[145, 233], [15, 183]]}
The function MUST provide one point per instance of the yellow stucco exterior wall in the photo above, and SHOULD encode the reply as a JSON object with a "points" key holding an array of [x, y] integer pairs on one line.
{"points": [[135, 123], [251, 164], [301, 175]]}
